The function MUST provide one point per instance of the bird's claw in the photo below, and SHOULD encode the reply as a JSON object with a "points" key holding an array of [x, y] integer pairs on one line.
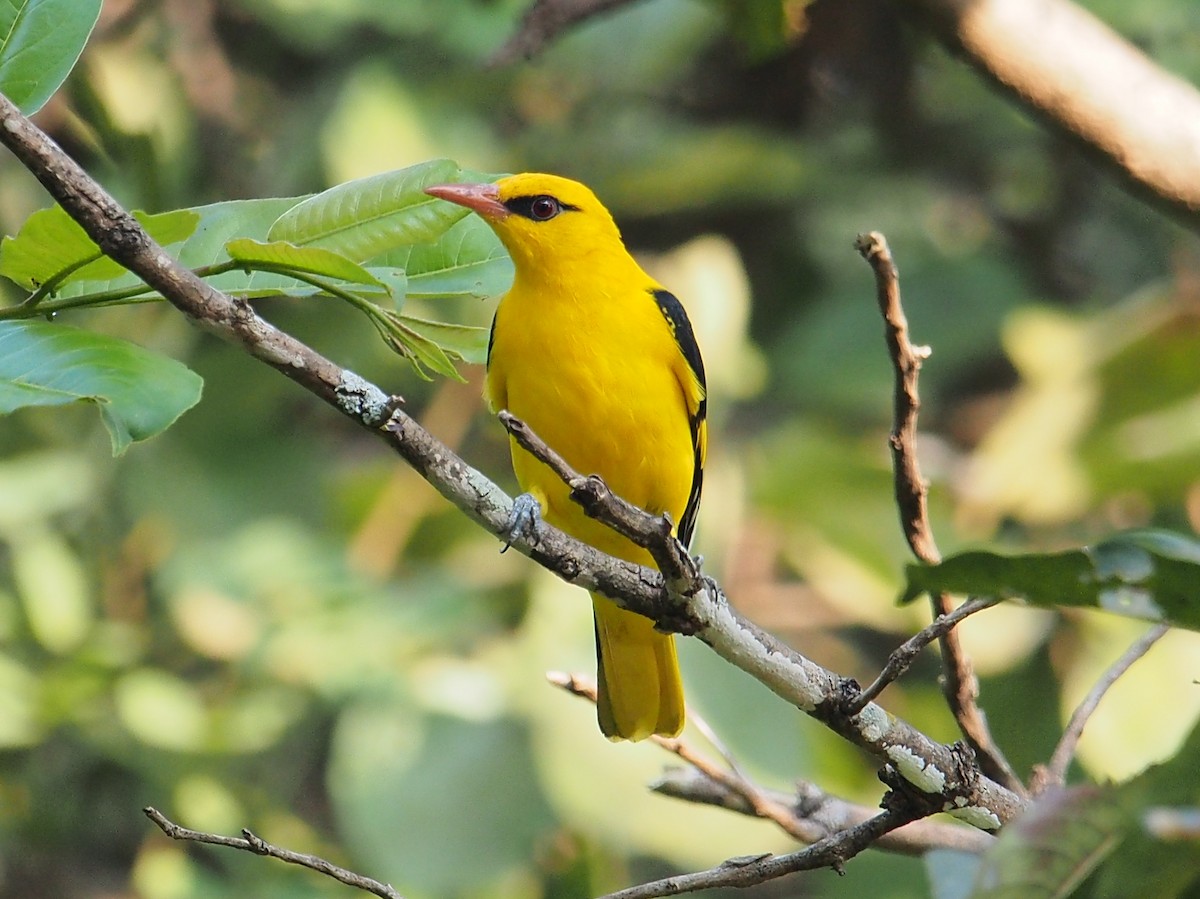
{"points": [[524, 520]]}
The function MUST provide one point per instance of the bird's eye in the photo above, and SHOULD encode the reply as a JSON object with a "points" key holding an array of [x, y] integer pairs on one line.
{"points": [[543, 208]]}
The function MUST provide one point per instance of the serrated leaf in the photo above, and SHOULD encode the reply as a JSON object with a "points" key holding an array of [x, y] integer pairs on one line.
{"points": [[40, 42], [465, 342], [1048, 851], [1151, 574], [139, 393], [367, 217], [313, 260], [467, 261], [50, 245]]}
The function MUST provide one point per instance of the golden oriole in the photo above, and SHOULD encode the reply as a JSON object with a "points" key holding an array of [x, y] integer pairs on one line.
{"points": [[602, 363]]}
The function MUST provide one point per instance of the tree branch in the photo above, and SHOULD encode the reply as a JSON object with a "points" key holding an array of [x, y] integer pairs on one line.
{"points": [[1086, 81], [1054, 773], [959, 683], [906, 653], [1053, 57], [691, 602], [251, 843], [746, 871], [694, 604], [809, 816], [544, 21]]}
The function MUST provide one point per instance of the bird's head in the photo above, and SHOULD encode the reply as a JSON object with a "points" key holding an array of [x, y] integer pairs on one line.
{"points": [[545, 221]]}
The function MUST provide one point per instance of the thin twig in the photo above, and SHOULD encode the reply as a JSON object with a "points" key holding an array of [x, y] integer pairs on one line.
{"points": [[906, 653], [831, 813], [1054, 772], [544, 21], [249, 842], [687, 589], [763, 805], [655, 534], [701, 724], [833, 851], [809, 816], [959, 684]]}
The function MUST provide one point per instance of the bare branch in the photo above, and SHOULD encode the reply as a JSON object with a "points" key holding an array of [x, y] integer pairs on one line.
{"points": [[544, 21], [1083, 79], [746, 871], [672, 558], [1054, 773], [695, 605], [959, 683], [906, 653], [248, 842], [809, 816], [760, 803], [830, 813], [692, 603]]}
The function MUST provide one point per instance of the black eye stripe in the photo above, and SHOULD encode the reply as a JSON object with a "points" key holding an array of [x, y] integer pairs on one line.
{"points": [[538, 207]]}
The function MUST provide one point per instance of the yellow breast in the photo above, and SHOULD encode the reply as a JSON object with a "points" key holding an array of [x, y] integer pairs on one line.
{"points": [[596, 374]]}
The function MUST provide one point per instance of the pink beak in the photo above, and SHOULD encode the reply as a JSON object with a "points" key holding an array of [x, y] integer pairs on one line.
{"points": [[481, 198]]}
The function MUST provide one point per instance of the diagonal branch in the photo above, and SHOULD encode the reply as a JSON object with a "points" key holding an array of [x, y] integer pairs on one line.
{"points": [[959, 683], [685, 601], [809, 816], [833, 851], [695, 605], [906, 653], [249, 842], [544, 21], [1086, 81], [1054, 57], [1054, 773]]}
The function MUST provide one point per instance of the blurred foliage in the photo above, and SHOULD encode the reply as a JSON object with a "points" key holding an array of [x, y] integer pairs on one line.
{"points": [[259, 619]]}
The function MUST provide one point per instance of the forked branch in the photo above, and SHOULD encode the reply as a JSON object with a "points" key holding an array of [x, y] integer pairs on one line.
{"points": [[249, 842], [959, 683]]}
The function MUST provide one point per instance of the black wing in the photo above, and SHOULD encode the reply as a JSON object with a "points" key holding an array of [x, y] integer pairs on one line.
{"points": [[681, 329]]}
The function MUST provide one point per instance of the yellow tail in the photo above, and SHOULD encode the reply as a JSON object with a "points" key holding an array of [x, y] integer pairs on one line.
{"points": [[640, 692]]}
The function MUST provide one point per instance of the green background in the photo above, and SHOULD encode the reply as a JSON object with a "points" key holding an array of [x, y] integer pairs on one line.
{"points": [[261, 619]]}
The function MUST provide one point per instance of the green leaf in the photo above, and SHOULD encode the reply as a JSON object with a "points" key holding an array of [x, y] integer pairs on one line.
{"points": [[139, 393], [313, 260], [1054, 845], [40, 41], [367, 217], [51, 247], [1151, 574], [465, 342], [414, 346], [467, 261], [216, 225]]}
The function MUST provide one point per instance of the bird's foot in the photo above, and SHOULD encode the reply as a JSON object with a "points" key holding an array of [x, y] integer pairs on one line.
{"points": [[525, 519]]}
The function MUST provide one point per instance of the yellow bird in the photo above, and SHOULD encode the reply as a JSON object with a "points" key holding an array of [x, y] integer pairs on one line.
{"points": [[600, 360]]}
